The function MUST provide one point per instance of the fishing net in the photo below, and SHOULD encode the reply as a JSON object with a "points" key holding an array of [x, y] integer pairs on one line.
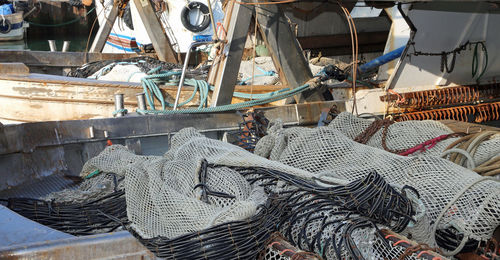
{"points": [[164, 196], [452, 197], [145, 63], [401, 136], [251, 129], [183, 206], [86, 218], [209, 199]]}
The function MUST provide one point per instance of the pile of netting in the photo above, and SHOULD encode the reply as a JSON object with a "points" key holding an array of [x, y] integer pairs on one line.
{"points": [[336, 222], [96, 206], [145, 63], [479, 151], [459, 207], [209, 199]]}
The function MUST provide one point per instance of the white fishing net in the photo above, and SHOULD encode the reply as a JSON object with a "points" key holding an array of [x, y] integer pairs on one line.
{"points": [[88, 190], [408, 134], [452, 196], [161, 196]]}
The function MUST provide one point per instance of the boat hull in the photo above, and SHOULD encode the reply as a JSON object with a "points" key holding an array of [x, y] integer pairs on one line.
{"points": [[38, 97], [17, 27]]}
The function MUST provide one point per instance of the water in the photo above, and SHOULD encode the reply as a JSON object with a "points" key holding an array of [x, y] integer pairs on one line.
{"points": [[78, 42], [36, 37]]}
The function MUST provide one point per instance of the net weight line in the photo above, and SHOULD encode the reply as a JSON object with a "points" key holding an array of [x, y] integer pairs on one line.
{"points": [[74, 218]]}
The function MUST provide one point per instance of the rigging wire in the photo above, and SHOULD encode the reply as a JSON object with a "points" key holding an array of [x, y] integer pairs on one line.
{"points": [[354, 44]]}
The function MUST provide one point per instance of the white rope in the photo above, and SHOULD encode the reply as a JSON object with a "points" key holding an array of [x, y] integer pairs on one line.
{"points": [[445, 209], [470, 161]]}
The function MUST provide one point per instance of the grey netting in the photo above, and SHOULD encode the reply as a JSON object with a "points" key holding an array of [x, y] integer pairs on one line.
{"points": [[452, 196], [161, 195], [90, 189], [408, 134]]}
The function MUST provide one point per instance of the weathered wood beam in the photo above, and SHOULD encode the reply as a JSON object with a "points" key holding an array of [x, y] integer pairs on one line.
{"points": [[104, 30], [155, 31], [229, 65], [342, 40], [285, 51]]}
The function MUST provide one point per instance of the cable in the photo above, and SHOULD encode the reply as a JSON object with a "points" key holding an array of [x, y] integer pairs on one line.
{"points": [[354, 44], [267, 3], [475, 61]]}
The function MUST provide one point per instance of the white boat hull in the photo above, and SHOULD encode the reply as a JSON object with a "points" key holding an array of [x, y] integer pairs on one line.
{"points": [[12, 27], [123, 39]]}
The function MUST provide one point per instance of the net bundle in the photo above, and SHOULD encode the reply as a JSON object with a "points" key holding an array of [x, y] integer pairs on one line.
{"points": [[96, 206], [430, 137], [209, 199], [294, 187], [455, 201], [145, 63]]}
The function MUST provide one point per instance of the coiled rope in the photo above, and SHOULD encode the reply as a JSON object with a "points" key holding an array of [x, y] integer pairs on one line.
{"points": [[152, 90]]}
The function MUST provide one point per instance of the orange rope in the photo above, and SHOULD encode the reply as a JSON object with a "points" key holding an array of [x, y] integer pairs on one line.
{"points": [[400, 100], [286, 250]]}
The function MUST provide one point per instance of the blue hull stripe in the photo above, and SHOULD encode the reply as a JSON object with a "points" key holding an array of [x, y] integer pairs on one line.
{"points": [[123, 48]]}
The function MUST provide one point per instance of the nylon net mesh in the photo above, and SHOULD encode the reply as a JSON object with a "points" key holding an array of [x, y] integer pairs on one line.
{"points": [[161, 196], [177, 194], [408, 134], [453, 197]]}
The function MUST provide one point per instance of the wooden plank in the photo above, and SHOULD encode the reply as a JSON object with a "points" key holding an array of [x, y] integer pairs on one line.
{"points": [[342, 40], [155, 31], [60, 59], [43, 98], [214, 69], [285, 51], [15, 68], [104, 30], [229, 65]]}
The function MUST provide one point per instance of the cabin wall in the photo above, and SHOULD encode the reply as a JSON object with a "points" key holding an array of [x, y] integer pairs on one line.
{"points": [[322, 27], [438, 31]]}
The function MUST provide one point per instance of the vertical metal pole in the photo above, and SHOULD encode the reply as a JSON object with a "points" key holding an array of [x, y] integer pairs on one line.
{"points": [[52, 45], [66, 46], [119, 105], [184, 68], [141, 101], [216, 37]]}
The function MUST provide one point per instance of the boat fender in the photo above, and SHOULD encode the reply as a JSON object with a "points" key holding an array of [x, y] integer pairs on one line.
{"points": [[185, 17], [5, 26]]}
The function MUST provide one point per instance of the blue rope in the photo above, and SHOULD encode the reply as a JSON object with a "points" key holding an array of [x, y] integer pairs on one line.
{"points": [[230, 107], [152, 90], [264, 73], [123, 110]]}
